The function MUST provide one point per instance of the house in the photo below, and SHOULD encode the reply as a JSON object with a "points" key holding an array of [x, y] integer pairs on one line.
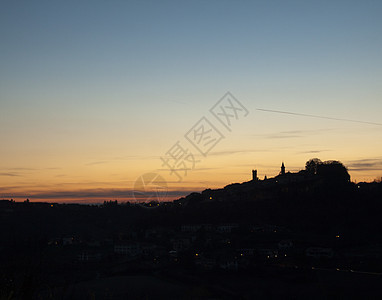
{"points": [[67, 241], [246, 251], [209, 227], [181, 244], [268, 252], [285, 244], [55, 242], [319, 252], [229, 264], [89, 257], [149, 249], [131, 249], [206, 263], [93, 243], [190, 227], [226, 228]]}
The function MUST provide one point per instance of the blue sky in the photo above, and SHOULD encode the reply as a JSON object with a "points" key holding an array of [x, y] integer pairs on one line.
{"points": [[86, 81]]}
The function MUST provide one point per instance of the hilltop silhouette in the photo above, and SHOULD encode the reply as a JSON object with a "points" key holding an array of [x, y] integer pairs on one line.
{"points": [[312, 232], [315, 178], [319, 197]]}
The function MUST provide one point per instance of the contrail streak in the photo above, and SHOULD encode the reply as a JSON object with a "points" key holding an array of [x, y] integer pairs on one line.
{"points": [[319, 117]]}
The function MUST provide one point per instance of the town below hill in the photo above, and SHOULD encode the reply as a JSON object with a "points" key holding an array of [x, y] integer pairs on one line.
{"points": [[310, 234]]}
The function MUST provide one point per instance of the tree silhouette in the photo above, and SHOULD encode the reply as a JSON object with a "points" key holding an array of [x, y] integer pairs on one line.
{"points": [[334, 171], [311, 165], [331, 170]]}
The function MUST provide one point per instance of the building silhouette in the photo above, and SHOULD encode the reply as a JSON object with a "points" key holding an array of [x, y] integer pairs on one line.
{"points": [[254, 175], [282, 172]]}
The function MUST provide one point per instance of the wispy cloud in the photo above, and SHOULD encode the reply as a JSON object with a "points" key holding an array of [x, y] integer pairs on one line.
{"points": [[185, 171], [121, 158], [22, 169], [103, 193], [366, 164], [9, 174], [97, 163], [292, 134], [313, 151], [197, 155], [235, 151], [282, 136]]}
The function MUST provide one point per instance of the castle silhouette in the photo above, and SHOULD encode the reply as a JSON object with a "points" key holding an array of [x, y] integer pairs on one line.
{"points": [[254, 173]]}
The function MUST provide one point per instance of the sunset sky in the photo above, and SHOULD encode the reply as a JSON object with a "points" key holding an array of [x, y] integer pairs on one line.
{"points": [[94, 93]]}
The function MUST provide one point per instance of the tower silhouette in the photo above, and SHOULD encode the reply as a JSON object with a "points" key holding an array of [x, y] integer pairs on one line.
{"points": [[282, 169], [254, 175]]}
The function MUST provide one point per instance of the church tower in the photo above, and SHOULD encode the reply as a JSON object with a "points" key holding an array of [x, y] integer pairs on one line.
{"points": [[254, 175], [282, 169]]}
